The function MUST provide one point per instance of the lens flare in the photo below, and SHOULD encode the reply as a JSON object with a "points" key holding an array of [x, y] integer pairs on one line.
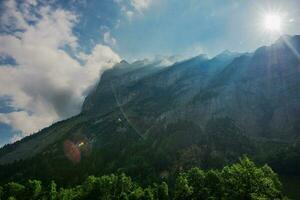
{"points": [[72, 151]]}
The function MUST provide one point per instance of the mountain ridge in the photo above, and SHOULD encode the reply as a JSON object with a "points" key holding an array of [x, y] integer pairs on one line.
{"points": [[196, 112]]}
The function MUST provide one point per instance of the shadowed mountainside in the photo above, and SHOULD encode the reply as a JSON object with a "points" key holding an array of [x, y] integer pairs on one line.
{"points": [[146, 119]]}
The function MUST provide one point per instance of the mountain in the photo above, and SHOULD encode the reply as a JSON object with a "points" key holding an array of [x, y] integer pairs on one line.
{"points": [[145, 118]]}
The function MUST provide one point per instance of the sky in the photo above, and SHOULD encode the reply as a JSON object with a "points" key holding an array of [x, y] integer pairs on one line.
{"points": [[52, 52]]}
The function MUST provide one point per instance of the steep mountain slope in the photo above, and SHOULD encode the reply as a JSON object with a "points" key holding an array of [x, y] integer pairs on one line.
{"points": [[102, 99], [260, 92], [146, 119]]}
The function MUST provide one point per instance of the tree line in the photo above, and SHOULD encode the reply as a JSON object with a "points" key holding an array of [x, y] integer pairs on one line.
{"points": [[242, 180]]}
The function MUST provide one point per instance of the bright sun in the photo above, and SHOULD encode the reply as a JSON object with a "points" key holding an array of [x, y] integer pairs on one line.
{"points": [[273, 22]]}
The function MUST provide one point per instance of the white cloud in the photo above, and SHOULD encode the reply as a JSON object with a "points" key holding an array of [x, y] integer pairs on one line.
{"points": [[109, 39], [48, 84], [129, 14], [140, 5], [131, 8], [13, 16], [31, 2], [25, 122]]}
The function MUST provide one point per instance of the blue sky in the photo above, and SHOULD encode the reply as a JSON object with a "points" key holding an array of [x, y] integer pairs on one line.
{"points": [[170, 27], [48, 47], [190, 26]]}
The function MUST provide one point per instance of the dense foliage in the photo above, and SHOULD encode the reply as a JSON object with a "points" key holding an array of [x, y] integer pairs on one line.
{"points": [[162, 152], [243, 180]]}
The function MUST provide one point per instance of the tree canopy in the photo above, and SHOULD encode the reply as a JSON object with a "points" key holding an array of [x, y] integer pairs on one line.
{"points": [[243, 180]]}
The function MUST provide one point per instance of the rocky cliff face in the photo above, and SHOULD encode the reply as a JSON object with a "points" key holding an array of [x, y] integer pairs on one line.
{"points": [[258, 91], [146, 93]]}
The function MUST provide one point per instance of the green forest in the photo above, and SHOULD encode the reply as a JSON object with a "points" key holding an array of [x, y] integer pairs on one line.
{"points": [[242, 180]]}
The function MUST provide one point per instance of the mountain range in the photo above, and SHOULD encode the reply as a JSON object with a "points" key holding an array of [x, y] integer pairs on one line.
{"points": [[145, 118]]}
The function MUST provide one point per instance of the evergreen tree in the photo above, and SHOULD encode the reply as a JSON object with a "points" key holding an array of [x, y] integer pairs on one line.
{"points": [[163, 191], [52, 191], [182, 188], [15, 190], [33, 189], [136, 194], [1, 192], [148, 194]]}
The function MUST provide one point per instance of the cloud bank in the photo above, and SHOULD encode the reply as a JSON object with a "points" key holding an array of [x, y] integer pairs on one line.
{"points": [[50, 76]]}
